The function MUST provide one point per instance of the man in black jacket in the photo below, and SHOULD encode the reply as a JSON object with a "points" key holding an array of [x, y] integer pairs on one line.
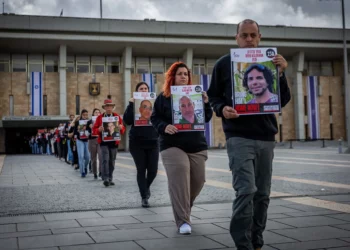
{"points": [[250, 141]]}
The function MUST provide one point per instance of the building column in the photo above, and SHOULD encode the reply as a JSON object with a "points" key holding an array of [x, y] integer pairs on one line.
{"points": [[127, 61], [298, 96], [187, 57], [63, 79], [347, 105]]}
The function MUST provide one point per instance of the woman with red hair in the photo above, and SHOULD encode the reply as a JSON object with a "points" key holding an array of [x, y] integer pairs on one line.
{"points": [[183, 154]]}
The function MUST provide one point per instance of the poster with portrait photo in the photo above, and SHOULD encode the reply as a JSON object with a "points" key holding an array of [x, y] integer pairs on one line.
{"points": [[188, 108], [143, 106], [255, 81], [93, 120], [110, 129], [82, 129]]}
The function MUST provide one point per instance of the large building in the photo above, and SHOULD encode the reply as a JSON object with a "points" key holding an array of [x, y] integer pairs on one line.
{"points": [[73, 52]]}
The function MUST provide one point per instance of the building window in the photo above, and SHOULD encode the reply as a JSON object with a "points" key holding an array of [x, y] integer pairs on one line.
{"points": [[198, 66], [35, 63], [83, 64], [11, 105], [19, 63], [305, 105], [142, 65], [50, 63], [77, 105], [157, 65], [330, 105], [210, 66], [4, 63], [113, 65], [169, 62], [70, 64], [45, 104], [97, 64]]}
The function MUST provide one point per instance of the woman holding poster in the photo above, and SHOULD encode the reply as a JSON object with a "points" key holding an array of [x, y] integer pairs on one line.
{"points": [[183, 153], [82, 142], [143, 143]]}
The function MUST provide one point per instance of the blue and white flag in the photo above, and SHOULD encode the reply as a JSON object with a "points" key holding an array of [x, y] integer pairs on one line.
{"points": [[205, 82], [36, 94], [312, 104], [149, 79]]}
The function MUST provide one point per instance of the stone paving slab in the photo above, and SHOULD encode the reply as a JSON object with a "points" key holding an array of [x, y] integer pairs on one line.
{"points": [[310, 221], [125, 235], [24, 234], [47, 225], [107, 221], [115, 213], [70, 216], [129, 245], [314, 233], [199, 229], [7, 228], [186, 243], [155, 217], [10, 243], [82, 229], [21, 219], [54, 240], [312, 245]]}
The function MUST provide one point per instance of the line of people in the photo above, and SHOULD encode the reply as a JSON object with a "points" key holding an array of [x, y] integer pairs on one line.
{"points": [[250, 145]]}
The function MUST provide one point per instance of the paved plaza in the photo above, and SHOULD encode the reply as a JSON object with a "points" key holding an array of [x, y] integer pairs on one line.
{"points": [[45, 204]]}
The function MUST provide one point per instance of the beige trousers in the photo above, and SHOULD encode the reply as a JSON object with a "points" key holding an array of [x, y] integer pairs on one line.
{"points": [[186, 177]]}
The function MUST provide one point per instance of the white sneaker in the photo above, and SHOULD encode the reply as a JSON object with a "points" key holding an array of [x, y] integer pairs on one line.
{"points": [[185, 229]]}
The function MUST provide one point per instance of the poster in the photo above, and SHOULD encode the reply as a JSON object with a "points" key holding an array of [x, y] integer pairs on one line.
{"points": [[110, 129], [143, 106], [82, 130], [255, 81], [188, 108], [93, 120]]}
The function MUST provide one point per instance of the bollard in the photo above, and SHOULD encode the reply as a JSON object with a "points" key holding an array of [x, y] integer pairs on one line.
{"points": [[323, 144], [290, 144], [340, 147]]}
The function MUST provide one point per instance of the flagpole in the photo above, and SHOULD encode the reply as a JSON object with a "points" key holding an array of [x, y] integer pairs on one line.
{"points": [[101, 9]]}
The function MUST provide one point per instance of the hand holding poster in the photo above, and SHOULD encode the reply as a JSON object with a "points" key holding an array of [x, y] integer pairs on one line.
{"points": [[83, 132], [187, 105], [255, 81], [110, 129], [143, 106], [93, 119]]}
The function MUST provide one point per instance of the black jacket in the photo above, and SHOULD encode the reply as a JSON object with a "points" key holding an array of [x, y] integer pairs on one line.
{"points": [[143, 136], [190, 142], [256, 127]]}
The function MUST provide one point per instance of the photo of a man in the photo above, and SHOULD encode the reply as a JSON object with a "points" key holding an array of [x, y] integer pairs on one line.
{"points": [[186, 107], [258, 81], [145, 110]]}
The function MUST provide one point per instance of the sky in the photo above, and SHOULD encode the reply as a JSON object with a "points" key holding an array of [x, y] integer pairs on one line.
{"points": [[306, 13]]}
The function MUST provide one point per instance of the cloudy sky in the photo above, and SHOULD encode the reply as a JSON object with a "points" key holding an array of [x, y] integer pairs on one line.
{"points": [[311, 13]]}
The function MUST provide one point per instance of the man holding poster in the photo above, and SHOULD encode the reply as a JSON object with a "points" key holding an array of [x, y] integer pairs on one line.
{"points": [[108, 144], [250, 142]]}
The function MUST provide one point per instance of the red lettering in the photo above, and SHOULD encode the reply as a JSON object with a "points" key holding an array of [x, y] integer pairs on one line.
{"points": [[253, 107], [240, 108], [186, 126], [178, 126]]}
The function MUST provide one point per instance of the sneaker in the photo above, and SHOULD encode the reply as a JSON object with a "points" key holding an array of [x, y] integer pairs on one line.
{"points": [[82, 175], [185, 229], [106, 183], [148, 195], [111, 183], [145, 203], [95, 176]]}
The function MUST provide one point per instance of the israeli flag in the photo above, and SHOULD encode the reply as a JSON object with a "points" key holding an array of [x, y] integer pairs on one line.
{"points": [[313, 109], [149, 79], [36, 98]]}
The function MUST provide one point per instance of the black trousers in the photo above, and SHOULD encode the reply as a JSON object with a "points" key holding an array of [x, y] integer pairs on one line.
{"points": [[73, 147], [146, 161]]}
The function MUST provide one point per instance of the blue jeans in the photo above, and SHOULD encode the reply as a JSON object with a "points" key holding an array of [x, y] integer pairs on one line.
{"points": [[83, 155], [70, 153], [48, 148]]}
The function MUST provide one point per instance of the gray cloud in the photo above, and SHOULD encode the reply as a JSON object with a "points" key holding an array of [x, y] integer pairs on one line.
{"points": [[311, 13]]}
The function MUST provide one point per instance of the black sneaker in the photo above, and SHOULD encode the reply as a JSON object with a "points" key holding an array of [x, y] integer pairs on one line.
{"points": [[111, 183], [148, 195], [145, 203], [95, 176], [106, 183]]}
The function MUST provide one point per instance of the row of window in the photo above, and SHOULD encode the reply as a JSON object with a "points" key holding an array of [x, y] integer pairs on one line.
{"points": [[96, 64]]}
